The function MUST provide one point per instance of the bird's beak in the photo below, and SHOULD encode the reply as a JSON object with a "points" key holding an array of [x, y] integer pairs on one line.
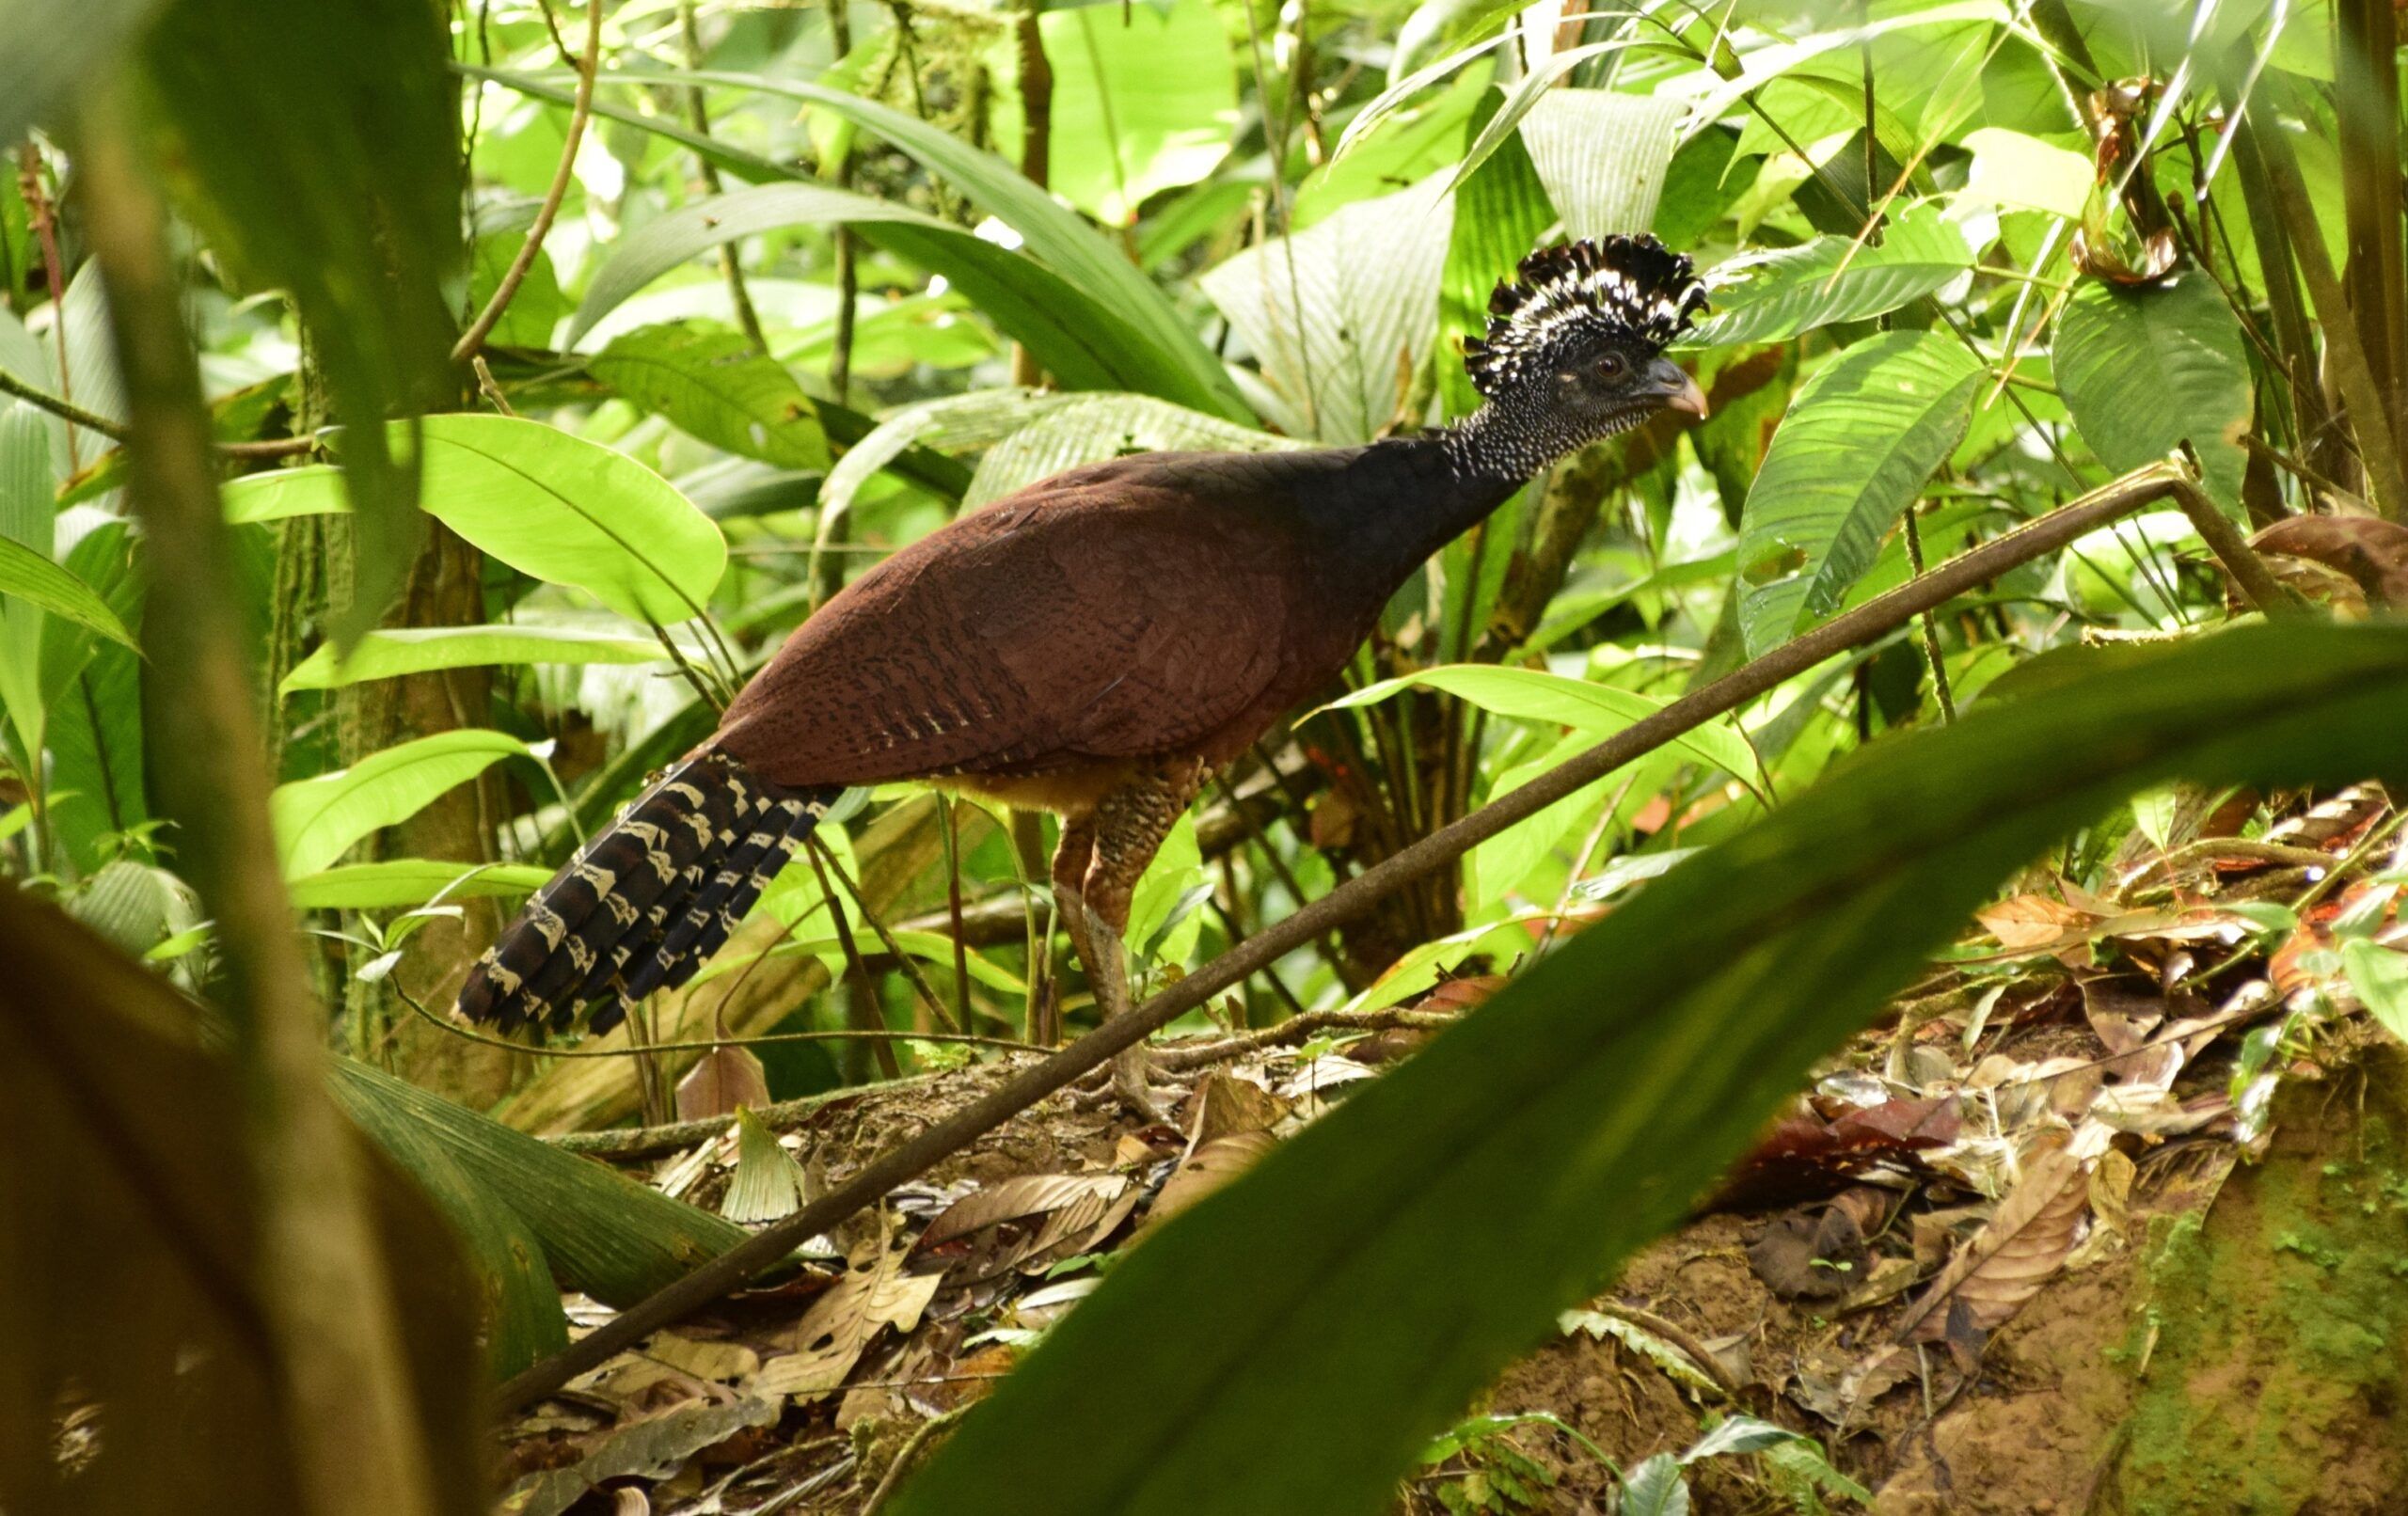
{"points": [[1680, 391]]}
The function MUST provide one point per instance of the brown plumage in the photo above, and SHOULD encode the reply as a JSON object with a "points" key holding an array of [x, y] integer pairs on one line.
{"points": [[1094, 645]]}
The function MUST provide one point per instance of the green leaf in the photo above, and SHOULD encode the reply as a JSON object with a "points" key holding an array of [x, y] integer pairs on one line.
{"points": [[31, 577], [1424, 1232], [1535, 695], [605, 1234], [1329, 311], [714, 385], [318, 819], [1857, 446], [1126, 305], [2380, 976], [1068, 330], [1656, 1488], [520, 1307], [398, 882], [1601, 157], [1092, 428], [1779, 295], [319, 145], [43, 59], [2145, 370], [1145, 99], [1501, 211], [397, 651], [549, 504], [2026, 173]]}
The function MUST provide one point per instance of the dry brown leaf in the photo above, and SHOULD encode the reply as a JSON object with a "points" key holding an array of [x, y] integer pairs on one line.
{"points": [[831, 1336], [1211, 1165], [2023, 922], [1223, 1106], [723, 1080], [2005, 1264], [726, 1362], [1026, 1195], [2373, 553]]}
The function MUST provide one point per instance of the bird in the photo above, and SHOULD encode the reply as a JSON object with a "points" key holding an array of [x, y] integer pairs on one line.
{"points": [[1095, 646]]}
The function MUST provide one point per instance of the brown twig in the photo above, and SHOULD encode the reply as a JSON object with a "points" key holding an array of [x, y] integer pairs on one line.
{"points": [[1300, 1028], [473, 341], [2257, 583], [1867, 622]]}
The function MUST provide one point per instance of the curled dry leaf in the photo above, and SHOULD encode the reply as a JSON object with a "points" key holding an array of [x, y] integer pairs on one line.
{"points": [[1210, 1166], [2025, 1244], [2371, 552], [2036, 923], [724, 1079]]}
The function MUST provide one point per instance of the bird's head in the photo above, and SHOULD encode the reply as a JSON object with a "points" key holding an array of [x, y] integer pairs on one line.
{"points": [[1579, 335]]}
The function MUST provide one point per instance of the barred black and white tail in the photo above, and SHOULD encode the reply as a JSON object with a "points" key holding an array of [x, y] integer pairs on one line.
{"points": [[647, 902]]}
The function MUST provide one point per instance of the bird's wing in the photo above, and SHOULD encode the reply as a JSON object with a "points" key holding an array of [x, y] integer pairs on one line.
{"points": [[1091, 618]]}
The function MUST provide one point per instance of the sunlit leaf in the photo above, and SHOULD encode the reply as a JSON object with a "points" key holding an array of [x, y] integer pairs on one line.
{"points": [[1093, 428], [1534, 695], [550, 505], [389, 653], [31, 577], [1144, 98], [1411, 1241], [1858, 444], [412, 881], [318, 819], [1602, 156], [1332, 312]]}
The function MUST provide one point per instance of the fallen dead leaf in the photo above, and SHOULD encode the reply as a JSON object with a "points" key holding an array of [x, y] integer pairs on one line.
{"points": [[2025, 1243], [1210, 1166], [873, 1293], [723, 1079]]}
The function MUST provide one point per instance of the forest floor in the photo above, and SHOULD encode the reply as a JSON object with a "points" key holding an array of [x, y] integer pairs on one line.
{"points": [[2060, 1233]]}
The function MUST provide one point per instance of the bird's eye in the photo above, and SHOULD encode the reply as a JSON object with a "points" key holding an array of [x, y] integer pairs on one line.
{"points": [[1612, 366]]}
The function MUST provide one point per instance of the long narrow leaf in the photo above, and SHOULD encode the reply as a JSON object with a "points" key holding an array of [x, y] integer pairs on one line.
{"points": [[1424, 1232]]}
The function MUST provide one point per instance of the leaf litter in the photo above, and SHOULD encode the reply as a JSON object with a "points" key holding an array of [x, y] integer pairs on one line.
{"points": [[2080, 1067]]}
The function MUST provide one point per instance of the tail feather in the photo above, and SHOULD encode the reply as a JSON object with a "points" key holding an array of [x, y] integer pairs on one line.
{"points": [[647, 901]]}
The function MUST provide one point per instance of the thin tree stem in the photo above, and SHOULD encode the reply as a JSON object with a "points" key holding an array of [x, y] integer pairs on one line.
{"points": [[473, 341]]}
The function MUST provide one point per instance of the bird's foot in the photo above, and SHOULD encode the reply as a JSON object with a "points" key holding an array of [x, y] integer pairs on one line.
{"points": [[1128, 1083]]}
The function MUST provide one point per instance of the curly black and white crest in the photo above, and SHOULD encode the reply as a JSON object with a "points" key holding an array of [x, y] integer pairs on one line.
{"points": [[1629, 291]]}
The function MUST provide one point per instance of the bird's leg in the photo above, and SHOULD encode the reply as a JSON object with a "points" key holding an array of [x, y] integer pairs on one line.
{"points": [[1072, 857], [1130, 824]]}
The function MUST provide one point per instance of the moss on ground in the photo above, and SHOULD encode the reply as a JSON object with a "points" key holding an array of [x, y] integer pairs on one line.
{"points": [[2268, 1341]]}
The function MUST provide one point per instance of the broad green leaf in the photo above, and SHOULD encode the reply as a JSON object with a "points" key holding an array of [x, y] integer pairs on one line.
{"points": [[1092, 428], [2380, 976], [28, 526], [520, 1307], [412, 881], [550, 505], [2145, 370], [44, 59], [2023, 172], [604, 1234], [1145, 99], [714, 385], [1779, 295], [1409, 1241], [31, 577], [1068, 330], [318, 146], [1766, 64], [1128, 306], [93, 692], [1855, 450], [1534, 695], [1501, 211], [396, 651], [1602, 156], [978, 419], [1329, 311], [318, 819]]}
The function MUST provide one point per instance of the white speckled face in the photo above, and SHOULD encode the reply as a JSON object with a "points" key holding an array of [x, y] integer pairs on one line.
{"points": [[1583, 309]]}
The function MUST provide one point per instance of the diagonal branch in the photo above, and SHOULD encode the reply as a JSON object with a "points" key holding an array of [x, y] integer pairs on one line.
{"points": [[1867, 624]]}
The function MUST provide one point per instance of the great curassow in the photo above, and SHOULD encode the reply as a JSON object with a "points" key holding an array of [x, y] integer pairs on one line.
{"points": [[1094, 645]]}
